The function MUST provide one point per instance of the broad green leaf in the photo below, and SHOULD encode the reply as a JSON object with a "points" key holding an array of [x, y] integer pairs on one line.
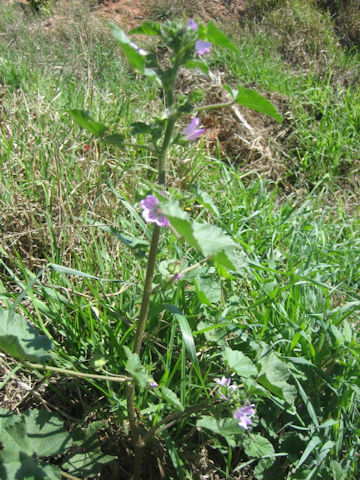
{"points": [[205, 199], [21, 466], [14, 439], [133, 57], [21, 340], [239, 363], [208, 239], [147, 28], [217, 37], [208, 289], [136, 369], [46, 433], [252, 99], [273, 376], [126, 239], [257, 446], [213, 333], [171, 397], [86, 463], [224, 427], [115, 139], [82, 118]]}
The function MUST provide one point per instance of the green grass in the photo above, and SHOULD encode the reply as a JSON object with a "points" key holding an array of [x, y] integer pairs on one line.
{"points": [[298, 293]]}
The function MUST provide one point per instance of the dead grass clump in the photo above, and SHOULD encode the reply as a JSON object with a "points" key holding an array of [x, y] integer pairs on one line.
{"points": [[305, 35]]}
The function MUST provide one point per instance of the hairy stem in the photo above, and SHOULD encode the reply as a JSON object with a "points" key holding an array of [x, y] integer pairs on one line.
{"points": [[73, 373]]}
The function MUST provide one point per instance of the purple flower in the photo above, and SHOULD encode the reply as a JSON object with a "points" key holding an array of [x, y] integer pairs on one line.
{"points": [[176, 277], [153, 385], [202, 47], [243, 414], [191, 131], [224, 382], [152, 212], [192, 25]]}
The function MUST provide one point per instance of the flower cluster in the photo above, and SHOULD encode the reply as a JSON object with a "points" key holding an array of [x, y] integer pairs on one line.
{"points": [[201, 46], [242, 414]]}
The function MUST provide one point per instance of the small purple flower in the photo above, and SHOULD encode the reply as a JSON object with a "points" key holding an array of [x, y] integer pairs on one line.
{"points": [[224, 382], [176, 277], [202, 47], [191, 131], [153, 385], [192, 25], [152, 212], [243, 414]]}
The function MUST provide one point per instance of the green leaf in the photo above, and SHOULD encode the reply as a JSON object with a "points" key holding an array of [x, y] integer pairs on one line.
{"points": [[217, 37], [82, 118], [147, 28], [21, 466], [171, 397], [273, 375], [190, 64], [86, 463], [21, 340], [205, 199], [78, 273], [224, 427], [252, 99], [313, 443], [46, 433], [208, 239], [115, 139], [187, 335], [136, 369], [133, 57], [239, 363], [207, 289], [257, 446]]}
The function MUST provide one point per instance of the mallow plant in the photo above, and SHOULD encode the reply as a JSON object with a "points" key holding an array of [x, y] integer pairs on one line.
{"points": [[229, 405]]}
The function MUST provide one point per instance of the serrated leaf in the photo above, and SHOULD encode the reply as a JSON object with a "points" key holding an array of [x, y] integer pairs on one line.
{"points": [[82, 118], [207, 289], [252, 99], [21, 340], [136, 369], [171, 397], [217, 37], [257, 446], [208, 239], [147, 28], [273, 375], [205, 199], [46, 433], [239, 363], [224, 427]]}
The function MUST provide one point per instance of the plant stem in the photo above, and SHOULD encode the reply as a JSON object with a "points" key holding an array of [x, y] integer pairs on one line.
{"points": [[73, 373]]}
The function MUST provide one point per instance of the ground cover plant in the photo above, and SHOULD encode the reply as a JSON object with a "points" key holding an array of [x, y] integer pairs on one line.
{"points": [[248, 365]]}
